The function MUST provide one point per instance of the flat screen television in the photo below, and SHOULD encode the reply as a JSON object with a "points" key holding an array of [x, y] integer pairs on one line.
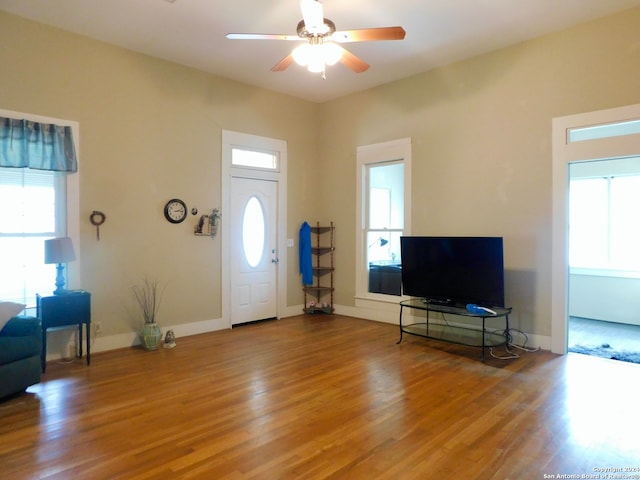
{"points": [[453, 271]]}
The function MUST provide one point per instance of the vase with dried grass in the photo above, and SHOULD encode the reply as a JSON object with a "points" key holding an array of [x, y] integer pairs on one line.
{"points": [[148, 295]]}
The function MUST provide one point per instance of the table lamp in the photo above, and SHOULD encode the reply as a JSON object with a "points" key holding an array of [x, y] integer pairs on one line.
{"points": [[383, 242], [60, 251]]}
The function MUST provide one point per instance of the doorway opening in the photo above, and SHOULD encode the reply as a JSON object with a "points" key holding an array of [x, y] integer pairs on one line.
{"points": [[604, 262], [254, 282], [586, 266]]}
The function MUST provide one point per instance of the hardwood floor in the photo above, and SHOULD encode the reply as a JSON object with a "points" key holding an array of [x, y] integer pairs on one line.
{"points": [[315, 397]]}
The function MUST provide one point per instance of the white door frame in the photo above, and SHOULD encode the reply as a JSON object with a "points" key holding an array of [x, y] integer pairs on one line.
{"points": [[243, 140], [564, 153]]}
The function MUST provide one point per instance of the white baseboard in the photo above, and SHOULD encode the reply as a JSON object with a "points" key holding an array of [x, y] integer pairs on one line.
{"points": [[58, 343], [377, 311], [292, 311], [123, 340]]}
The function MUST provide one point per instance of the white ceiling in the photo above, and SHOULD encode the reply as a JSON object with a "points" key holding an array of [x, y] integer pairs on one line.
{"points": [[192, 33]]}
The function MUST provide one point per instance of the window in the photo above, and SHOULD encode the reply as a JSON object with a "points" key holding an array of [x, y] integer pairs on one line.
{"points": [[38, 205], [618, 129], [603, 230], [241, 157], [383, 216], [33, 201], [386, 212], [253, 230]]}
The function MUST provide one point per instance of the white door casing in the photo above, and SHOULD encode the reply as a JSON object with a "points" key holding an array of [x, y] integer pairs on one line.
{"points": [[253, 249], [231, 140], [564, 153]]}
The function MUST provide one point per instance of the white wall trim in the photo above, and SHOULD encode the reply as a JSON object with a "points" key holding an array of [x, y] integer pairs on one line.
{"points": [[100, 343], [366, 155], [64, 339], [565, 153], [229, 140]]}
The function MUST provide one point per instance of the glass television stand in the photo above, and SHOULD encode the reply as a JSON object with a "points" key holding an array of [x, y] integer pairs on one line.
{"points": [[468, 335]]}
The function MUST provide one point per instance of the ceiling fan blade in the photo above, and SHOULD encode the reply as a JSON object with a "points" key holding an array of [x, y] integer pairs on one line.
{"points": [[354, 63], [283, 64], [312, 14], [260, 36], [369, 34]]}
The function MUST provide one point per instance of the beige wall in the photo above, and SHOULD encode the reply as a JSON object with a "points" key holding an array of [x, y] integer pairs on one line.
{"points": [[150, 130], [481, 133]]}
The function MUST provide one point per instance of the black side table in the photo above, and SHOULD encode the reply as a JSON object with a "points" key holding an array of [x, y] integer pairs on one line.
{"points": [[71, 308]]}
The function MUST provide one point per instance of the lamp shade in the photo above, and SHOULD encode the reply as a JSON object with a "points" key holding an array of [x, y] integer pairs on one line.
{"points": [[58, 250], [382, 242]]}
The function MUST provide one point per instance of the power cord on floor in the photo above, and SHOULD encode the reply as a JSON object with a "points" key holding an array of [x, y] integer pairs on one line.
{"points": [[511, 345], [511, 355], [522, 346]]}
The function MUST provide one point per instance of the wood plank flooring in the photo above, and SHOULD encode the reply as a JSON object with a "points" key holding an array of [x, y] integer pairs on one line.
{"points": [[322, 397]]}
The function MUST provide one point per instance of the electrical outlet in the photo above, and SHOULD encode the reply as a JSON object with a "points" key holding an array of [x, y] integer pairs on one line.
{"points": [[97, 327]]}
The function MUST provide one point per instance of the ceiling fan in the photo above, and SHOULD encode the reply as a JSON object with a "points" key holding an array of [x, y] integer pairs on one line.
{"points": [[322, 38]]}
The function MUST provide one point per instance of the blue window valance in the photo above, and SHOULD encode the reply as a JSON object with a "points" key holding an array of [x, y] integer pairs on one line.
{"points": [[41, 146]]}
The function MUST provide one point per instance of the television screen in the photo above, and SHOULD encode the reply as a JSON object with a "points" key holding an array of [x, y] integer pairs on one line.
{"points": [[454, 270]]}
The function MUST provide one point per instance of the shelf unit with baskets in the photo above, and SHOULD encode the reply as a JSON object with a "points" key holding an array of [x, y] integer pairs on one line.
{"points": [[318, 298]]}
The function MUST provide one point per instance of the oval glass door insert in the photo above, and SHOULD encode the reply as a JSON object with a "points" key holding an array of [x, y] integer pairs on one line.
{"points": [[253, 228]]}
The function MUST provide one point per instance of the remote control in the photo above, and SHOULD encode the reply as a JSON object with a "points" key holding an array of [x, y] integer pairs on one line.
{"points": [[473, 308], [488, 310]]}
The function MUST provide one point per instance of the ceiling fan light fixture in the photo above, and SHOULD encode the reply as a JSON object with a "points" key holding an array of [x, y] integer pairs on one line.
{"points": [[316, 66], [331, 53], [301, 54], [315, 56]]}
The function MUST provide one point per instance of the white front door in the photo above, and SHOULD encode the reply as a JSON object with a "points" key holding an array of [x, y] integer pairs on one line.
{"points": [[253, 249]]}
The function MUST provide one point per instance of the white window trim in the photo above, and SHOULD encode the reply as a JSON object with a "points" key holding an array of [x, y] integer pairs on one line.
{"points": [[73, 275], [394, 150]]}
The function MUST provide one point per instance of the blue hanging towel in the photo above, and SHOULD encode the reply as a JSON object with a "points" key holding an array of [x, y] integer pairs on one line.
{"points": [[306, 267]]}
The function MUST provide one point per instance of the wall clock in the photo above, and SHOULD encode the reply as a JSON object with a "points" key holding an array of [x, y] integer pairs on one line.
{"points": [[175, 211]]}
